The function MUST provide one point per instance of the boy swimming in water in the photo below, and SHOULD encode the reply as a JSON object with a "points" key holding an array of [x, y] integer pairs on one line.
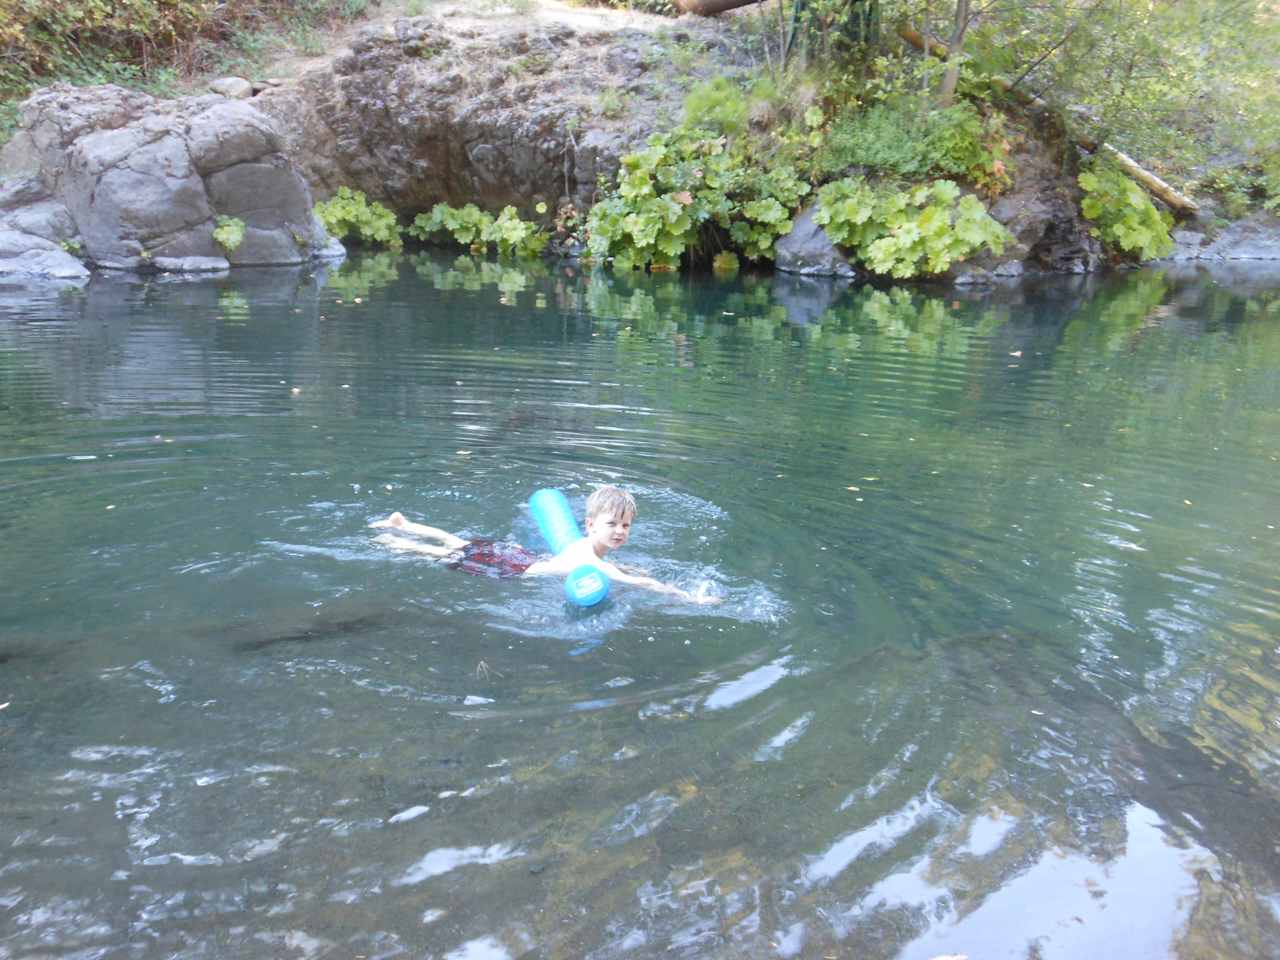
{"points": [[610, 513]]}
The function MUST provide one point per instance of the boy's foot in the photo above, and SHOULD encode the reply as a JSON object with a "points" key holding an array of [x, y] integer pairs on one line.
{"points": [[395, 520]]}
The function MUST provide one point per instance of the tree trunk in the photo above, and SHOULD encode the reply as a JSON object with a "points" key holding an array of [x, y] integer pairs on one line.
{"points": [[952, 76]]}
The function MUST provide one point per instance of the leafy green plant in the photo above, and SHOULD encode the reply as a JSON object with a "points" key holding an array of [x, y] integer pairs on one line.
{"points": [[880, 138], [350, 213], [1243, 187], [682, 191], [471, 227], [964, 143], [906, 139], [515, 237], [229, 233], [1124, 217], [906, 233], [613, 102], [724, 264], [718, 106], [467, 225]]}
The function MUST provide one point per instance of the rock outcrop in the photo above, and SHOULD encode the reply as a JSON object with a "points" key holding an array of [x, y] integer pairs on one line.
{"points": [[129, 181], [433, 108], [1256, 237]]}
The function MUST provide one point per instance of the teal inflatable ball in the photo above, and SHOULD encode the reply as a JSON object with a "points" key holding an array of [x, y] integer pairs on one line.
{"points": [[586, 586]]}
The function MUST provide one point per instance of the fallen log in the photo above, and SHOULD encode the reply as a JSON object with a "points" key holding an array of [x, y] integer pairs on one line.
{"points": [[1175, 200], [709, 8]]}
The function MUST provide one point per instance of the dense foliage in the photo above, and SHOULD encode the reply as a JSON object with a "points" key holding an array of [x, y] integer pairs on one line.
{"points": [[1124, 217], [686, 193], [472, 228], [150, 42], [349, 214], [906, 233], [714, 183]]}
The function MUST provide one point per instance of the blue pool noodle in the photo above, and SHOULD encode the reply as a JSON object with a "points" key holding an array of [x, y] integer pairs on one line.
{"points": [[586, 585]]}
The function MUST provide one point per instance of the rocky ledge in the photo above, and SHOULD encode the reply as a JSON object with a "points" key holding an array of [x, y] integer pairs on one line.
{"points": [[118, 179]]}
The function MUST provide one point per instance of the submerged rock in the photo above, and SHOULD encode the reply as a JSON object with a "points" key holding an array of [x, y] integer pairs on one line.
{"points": [[135, 182]]}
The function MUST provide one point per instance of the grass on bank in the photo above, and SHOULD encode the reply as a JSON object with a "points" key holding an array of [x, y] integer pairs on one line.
{"points": [[163, 47]]}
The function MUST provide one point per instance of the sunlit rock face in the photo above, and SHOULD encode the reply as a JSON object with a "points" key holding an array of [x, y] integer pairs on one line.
{"points": [[463, 110], [129, 181]]}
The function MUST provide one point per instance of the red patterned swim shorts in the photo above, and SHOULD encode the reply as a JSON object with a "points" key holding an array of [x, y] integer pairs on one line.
{"points": [[491, 558]]}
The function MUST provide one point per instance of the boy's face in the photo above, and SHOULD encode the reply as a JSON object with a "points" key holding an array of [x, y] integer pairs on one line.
{"points": [[608, 531]]}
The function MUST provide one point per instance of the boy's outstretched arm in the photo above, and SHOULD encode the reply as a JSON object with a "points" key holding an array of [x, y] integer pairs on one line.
{"points": [[657, 586]]}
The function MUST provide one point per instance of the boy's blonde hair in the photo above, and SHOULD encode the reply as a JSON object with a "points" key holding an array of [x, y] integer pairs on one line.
{"points": [[612, 501]]}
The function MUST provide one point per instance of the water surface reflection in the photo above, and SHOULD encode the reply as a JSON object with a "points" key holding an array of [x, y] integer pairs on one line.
{"points": [[996, 671]]}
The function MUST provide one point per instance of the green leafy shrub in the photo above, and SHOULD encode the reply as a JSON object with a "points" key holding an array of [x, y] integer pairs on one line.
{"points": [[471, 227], [229, 233], [906, 233], [717, 106], [1125, 218], [903, 139], [145, 43], [467, 225], [879, 138], [964, 143], [613, 102], [1242, 188], [685, 186], [515, 237], [350, 213]]}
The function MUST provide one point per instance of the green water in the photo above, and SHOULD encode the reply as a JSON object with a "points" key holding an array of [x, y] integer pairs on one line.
{"points": [[996, 670]]}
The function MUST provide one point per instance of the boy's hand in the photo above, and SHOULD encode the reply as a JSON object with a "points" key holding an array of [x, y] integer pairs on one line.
{"points": [[701, 596]]}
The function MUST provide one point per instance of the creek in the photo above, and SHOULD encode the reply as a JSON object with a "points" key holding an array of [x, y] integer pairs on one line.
{"points": [[995, 670]]}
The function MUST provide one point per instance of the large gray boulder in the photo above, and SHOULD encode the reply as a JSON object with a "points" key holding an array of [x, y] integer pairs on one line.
{"points": [[808, 251], [130, 181], [25, 257]]}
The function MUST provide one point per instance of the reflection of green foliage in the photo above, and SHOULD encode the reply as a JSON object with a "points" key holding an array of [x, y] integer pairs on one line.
{"points": [[1108, 322], [233, 307], [1125, 218], [470, 273], [606, 301], [357, 277], [349, 213], [906, 233]]}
